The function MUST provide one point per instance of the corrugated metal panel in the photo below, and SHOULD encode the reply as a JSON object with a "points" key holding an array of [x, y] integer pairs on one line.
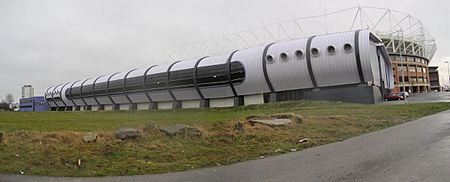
{"points": [[138, 97], [78, 102], [220, 91], [138, 72], [119, 76], [339, 68], [254, 77], [103, 78], [119, 99], [103, 100], [290, 74], [185, 93], [365, 55], [374, 65]]}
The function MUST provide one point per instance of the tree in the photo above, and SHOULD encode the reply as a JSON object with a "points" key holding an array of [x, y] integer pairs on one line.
{"points": [[9, 98]]}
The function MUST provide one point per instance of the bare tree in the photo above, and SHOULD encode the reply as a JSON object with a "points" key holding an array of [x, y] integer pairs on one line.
{"points": [[9, 98]]}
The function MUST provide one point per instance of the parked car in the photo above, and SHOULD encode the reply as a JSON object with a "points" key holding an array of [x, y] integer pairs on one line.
{"points": [[393, 97], [406, 94]]}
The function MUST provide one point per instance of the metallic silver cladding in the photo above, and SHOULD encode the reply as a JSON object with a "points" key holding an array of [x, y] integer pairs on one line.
{"points": [[335, 69], [254, 81], [57, 96], [290, 74], [185, 93], [216, 91], [67, 102], [364, 50], [49, 97], [374, 64], [161, 95]]}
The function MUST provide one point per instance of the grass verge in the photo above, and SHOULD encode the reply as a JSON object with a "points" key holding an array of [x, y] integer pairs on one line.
{"points": [[51, 143]]}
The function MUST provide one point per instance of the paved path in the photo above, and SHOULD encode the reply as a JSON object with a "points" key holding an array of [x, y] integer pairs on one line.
{"points": [[414, 151]]}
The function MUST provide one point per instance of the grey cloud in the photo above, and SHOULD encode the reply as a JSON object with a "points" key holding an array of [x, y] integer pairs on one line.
{"points": [[53, 41]]}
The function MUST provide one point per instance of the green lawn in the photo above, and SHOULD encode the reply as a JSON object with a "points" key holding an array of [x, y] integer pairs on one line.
{"points": [[50, 143]]}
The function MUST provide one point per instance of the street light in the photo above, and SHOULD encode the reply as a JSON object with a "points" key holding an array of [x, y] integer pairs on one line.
{"points": [[448, 74]]}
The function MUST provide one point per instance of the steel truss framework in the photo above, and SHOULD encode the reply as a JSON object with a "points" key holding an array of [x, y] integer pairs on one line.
{"points": [[401, 33]]}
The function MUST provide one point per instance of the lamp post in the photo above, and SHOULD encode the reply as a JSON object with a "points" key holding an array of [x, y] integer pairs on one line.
{"points": [[448, 74]]}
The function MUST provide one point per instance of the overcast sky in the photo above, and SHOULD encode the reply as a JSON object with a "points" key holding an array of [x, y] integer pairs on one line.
{"points": [[47, 42]]}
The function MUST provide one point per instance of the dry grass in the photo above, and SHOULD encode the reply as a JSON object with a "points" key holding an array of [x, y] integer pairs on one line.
{"points": [[56, 151]]}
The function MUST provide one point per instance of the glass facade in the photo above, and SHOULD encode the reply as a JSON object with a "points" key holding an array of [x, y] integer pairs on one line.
{"points": [[207, 76]]}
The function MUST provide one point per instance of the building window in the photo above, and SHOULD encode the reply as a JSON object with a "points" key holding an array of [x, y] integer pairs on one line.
{"points": [[216, 75], [315, 52], [284, 56], [269, 59], [348, 47], [331, 50], [419, 69], [182, 78], [299, 54]]}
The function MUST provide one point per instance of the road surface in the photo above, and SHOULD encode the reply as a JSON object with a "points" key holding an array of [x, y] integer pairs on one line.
{"points": [[415, 151]]}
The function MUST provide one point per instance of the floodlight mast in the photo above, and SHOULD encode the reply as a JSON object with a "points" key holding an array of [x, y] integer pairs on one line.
{"points": [[400, 44]]}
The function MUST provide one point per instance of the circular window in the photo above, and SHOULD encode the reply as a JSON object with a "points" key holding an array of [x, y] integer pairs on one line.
{"points": [[348, 47], [331, 49], [299, 54], [284, 56], [269, 59], [315, 52]]}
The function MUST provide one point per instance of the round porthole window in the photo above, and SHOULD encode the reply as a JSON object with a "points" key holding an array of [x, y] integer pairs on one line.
{"points": [[269, 59], [284, 56], [331, 50], [348, 47], [315, 52], [299, 54]]}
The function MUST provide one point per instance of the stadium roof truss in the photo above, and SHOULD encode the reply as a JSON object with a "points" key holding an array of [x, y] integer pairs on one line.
{"points": [[400, 32]]}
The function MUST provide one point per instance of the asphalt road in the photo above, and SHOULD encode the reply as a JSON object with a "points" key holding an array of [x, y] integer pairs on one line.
{"points": [[415, 151]]}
